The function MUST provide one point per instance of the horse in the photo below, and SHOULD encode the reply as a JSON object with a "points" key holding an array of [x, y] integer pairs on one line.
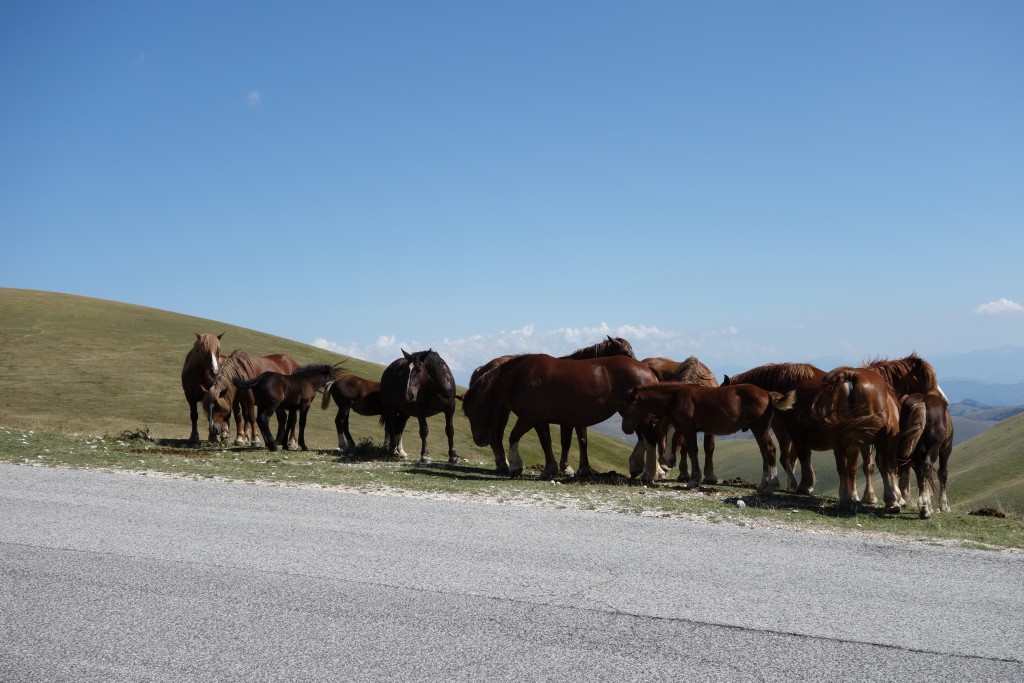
{"points": [[691, 408], [542, 390], [797, 438], [692, 371], [417, 385], [926, 438], [857, 408], [223, 396], [201, 364], [351, 392], [609, 346], [274, 391]]}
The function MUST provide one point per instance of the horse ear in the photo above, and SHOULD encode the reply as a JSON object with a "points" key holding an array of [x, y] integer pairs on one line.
{"points": [[406, 354], [609, 337], [198, 336], [725, 380], [220, 335]]}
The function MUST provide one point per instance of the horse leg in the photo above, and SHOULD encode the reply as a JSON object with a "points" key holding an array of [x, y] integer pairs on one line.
{"points": [[585, 469], [565, 435], [263, 420], [869, 475], [497, 445], [291, 444], [802, 450], [341, 427], [944, 454], [303, 410], [193, 413], [282, 427], [885, 452], [680, 452], [550, 464], [515, 462], [846, 500], [769, 471], [709, 459], [636, 458], [449, 431], [923, 470], [787, 455], [424, 431], [693, 454], [398, 423]]}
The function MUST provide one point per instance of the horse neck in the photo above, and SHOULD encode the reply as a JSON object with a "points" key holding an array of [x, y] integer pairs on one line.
{"points": [[659, 395]]}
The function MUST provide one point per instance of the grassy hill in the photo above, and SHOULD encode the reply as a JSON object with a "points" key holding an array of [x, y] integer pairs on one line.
{"points": [[76, 364]]}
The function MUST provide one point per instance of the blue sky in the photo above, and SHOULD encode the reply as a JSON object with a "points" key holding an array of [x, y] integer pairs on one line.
{"points": [[745, 181]]}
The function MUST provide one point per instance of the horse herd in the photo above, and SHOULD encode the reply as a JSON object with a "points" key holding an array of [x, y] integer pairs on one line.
{"points": [[889, 412]]}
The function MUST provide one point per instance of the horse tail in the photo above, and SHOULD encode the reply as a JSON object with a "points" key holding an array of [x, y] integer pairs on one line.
{"points": [[246, 383], [910, 434], [327, 396], [782, 401], [837, 388]]}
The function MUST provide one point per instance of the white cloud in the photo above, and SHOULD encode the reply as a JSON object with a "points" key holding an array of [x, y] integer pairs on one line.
{"points": [[465, 354], [1001, 307], [253, 98]]}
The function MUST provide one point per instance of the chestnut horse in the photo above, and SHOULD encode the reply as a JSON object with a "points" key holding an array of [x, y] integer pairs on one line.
{"points": [[201, 364], [926, 438], [691, 371], [610, 346], [797, 438], [690, 408], [224, 397], [417, 385], [353, 393], [542, 390], [293, 393], [856, 407]]}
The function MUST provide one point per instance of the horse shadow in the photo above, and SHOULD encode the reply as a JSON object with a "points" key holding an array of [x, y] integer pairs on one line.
{"points": [[457, 472], [822, 506]]}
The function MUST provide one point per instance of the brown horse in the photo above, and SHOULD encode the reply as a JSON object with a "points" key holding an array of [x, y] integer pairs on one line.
{"points": [[224, 397], [926, 438], [609, 346], [417, 385], [856, 407], [690, 408], [797, 438], [542, 390], [293, 393], [201, 364], [692, 371], [353, 393]]}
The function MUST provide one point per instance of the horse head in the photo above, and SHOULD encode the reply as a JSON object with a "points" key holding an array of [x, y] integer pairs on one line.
{"points": [[617, 346], [632, 412], [218, 412]]}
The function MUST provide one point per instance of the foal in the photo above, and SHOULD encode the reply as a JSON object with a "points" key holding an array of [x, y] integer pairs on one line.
{"points": [[691, 408], [293, 393]]}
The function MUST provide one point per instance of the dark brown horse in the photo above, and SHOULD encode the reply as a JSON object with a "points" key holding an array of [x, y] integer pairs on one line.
{"points": [[224, 398], [691, 371], [690, 408], [926, 438], [351, 392], [542, 390], [417, 385], [857, 408], [293, 393], [201, 364]]}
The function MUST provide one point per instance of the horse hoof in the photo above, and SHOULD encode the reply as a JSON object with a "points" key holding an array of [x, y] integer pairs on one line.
{"points": [[926, 513], [502, 470], [568, 472], [548, 475], [425, 460], [453, 459], [646, 479], [515, 474], [893, 509], [710, 480]]}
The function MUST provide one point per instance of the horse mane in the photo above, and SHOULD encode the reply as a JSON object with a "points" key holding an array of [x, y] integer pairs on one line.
{"points": [[315, 369], [904, 373], [601, 349], [435, 365], [781, 376], [238, 365], [693, 371]]}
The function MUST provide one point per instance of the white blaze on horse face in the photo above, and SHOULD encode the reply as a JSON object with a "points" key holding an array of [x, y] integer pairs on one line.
{"points": [[942, 394], [410, 394], [213, 363]]}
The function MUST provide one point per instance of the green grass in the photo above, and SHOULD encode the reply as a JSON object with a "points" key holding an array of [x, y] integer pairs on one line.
{"points": [[75, 366]]}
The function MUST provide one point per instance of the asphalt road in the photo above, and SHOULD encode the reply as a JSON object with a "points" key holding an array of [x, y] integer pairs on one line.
{"points": [[118, 577]]}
